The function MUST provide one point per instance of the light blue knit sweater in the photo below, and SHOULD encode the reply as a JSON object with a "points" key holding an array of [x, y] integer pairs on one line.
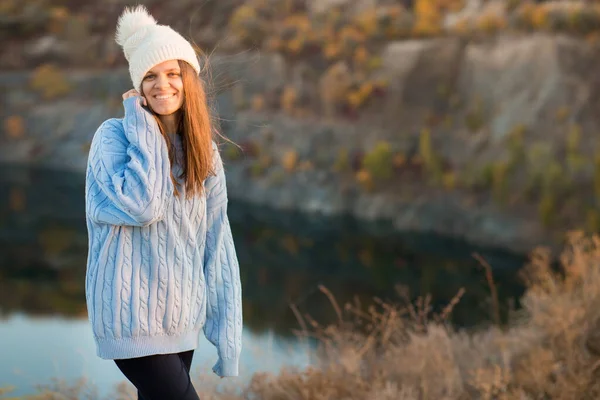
{"points": [[160, 268]]}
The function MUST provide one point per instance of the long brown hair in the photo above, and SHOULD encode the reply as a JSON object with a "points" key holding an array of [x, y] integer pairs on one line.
{"points": [[195, 125]]}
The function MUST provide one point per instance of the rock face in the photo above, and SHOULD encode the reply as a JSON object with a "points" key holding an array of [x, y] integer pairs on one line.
{"points": [[527, 80], [503, 82], [57, 132], [320, 190]]}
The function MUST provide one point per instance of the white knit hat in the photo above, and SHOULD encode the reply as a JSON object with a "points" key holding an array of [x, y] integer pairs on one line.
{"points": [[146, 44]]}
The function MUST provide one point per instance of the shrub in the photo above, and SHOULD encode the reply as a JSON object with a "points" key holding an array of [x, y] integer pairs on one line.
{"points": [[351, 39], [374, 63], [359, 97], [547, 208], [342, 162], [572, 17], [531, 16], [582, 18], [50, 82], [449, 180], [512, 5], [367, 22], [573, 138], [365, 179], [232, 153], [553, 182], [342, 44], [428, 18], [491, 23], [361, 57], [539, 16], [246, 23], [296, 35], [425, 147], [332, 50], [14, 126], [516, 146], [378, 162], [384, 22], [575, 161], [538, 157], [290, 160], [462, 27], [399, 160], [288, 99], [306, 165], [396, 22], [500, 181], [58, 17], [431, 160], [258, 102], [486, 176], [562, 114], [8, 7]]}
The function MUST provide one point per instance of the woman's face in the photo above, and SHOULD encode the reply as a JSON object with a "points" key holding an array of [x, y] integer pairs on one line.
{"points": [[163, 88]]}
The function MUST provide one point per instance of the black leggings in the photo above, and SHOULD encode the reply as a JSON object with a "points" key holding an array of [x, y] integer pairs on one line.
{"points": [[161, 376]]}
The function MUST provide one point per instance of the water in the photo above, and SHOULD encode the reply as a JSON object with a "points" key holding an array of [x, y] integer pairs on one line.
{"points": [[36, 349], [284, 257]]}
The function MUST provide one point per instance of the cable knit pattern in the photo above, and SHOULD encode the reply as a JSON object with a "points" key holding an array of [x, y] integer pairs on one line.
{"points": [[160, 268], [224, 297]]}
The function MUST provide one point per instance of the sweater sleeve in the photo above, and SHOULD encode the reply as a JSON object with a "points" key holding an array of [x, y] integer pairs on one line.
{"points": [[223, 327], [132, 172]]}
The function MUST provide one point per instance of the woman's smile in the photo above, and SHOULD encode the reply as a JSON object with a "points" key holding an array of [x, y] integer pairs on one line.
{"points": [[164, 97]]}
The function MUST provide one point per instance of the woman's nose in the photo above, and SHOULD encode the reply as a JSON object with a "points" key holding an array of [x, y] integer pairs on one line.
{"points": [[162, 82]]}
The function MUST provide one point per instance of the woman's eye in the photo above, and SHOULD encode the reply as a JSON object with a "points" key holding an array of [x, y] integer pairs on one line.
{"points": [[174, 74], [149, 76]]}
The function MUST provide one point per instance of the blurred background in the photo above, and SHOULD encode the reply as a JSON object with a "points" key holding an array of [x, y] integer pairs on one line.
{"points": [[382, 144]]}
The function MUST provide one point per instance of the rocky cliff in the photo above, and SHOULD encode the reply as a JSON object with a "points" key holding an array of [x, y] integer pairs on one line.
{"points": [[492, 140]]}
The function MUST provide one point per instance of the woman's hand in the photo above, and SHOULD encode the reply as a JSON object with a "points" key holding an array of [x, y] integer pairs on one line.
{"points": [[133, 93]]}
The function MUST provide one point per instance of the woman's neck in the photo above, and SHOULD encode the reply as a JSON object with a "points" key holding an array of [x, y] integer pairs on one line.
{"points": [[169, 122]]}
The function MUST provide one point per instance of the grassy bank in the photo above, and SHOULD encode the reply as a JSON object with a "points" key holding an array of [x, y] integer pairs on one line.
{"points": [[549, 350]]}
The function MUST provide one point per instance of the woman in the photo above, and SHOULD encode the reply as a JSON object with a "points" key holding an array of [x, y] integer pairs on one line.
{"points": [[161, 264]]}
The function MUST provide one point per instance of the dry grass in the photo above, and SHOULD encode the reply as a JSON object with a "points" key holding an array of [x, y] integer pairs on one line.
{"points": [[549, 350]]}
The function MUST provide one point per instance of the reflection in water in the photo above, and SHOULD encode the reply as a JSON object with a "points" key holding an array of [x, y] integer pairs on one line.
{"points": [[283, 258]]}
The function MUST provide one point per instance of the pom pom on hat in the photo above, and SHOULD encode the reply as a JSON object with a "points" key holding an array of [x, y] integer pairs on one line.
{"points": [[131, 21], [145, 43]]}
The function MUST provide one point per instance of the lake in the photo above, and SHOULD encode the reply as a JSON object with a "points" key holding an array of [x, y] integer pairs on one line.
{"points": [[284, 258]]}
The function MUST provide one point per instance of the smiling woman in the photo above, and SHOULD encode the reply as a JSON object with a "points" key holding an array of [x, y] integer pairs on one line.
{"points": [[162, 265]]}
